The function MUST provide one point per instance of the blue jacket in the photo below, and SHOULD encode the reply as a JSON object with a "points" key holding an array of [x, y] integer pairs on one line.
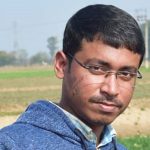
{"points": [[43, 126]]}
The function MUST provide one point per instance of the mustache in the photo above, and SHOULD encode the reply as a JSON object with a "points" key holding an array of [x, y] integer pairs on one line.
{"points": [[106, 99]]}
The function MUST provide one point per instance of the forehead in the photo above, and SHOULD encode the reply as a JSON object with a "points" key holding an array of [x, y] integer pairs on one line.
{"points": [[97, 50]]}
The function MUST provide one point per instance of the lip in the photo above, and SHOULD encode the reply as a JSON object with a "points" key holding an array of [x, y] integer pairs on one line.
{"points": [[107, 107]]}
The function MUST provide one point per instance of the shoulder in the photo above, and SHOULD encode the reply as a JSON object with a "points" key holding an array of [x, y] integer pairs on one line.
{"points": [[20, 135], [23, 136], [6, 141]]}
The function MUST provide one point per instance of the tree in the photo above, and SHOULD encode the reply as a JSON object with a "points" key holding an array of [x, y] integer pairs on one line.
{"points": [[39, 58], [21, 57], [7, 58], [52, 46]]}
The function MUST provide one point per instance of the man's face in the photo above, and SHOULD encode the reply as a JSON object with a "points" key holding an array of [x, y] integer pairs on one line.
{"points": [[93, 98]]}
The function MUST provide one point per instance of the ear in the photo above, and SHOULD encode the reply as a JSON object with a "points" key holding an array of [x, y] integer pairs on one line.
{"points": [[60, 64]]}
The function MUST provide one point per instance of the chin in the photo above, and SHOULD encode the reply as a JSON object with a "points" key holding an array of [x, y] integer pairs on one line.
{"points": [[104, 122], [104, 119]]}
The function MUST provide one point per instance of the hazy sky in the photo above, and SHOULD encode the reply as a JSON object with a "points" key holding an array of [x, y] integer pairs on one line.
{"points": [[31, 22]]}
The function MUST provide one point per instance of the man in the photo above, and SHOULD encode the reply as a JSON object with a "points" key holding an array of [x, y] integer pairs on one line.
{"points": [[103, 48]]}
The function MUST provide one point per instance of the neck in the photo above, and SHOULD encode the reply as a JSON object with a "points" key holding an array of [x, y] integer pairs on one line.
{"points": [[98, 132], [98, 129]]}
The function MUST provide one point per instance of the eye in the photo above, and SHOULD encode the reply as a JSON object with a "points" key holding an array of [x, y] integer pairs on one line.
{"points": [[126, 75], [97, 70]]}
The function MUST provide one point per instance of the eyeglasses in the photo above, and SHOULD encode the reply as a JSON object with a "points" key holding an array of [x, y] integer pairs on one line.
{"points": [[103, 71]]}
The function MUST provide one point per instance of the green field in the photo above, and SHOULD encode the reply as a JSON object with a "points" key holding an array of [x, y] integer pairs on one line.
{"points": [[137, 142], [21, 86]]}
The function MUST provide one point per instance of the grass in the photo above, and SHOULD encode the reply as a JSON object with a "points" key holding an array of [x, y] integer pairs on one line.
{"points": [[136, 142], [142, 85], [22, 85], [27, 73]]}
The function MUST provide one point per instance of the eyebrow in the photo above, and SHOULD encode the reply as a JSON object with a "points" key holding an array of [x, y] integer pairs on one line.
{"points": [[98, 62], [129, 68]]}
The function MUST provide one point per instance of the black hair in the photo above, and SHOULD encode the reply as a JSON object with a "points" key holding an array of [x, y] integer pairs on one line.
{"points": [[106, 23]]}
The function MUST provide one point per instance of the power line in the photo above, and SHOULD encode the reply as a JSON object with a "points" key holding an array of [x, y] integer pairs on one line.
{"points": [[15, 33]]}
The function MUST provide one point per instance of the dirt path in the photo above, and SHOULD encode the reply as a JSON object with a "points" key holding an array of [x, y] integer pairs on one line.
{"points": [[135, 120]]}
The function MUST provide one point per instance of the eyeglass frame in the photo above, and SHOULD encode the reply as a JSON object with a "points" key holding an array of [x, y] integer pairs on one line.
{"points": [[137, 74]]}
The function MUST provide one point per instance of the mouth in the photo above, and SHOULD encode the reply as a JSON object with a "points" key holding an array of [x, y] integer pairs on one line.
{"points": [[107, 107], [106, 104]]}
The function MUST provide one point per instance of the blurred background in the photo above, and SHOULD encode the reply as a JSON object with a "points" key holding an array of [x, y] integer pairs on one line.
{"points": [[31, 33], [32, 30]]}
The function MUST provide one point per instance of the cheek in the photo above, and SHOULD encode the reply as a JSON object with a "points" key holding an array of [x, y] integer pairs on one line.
{"points": [[126, 96], [83, 87]]}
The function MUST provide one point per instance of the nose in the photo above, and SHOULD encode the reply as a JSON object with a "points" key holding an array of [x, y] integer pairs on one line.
{"points": [[110, 85]]}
